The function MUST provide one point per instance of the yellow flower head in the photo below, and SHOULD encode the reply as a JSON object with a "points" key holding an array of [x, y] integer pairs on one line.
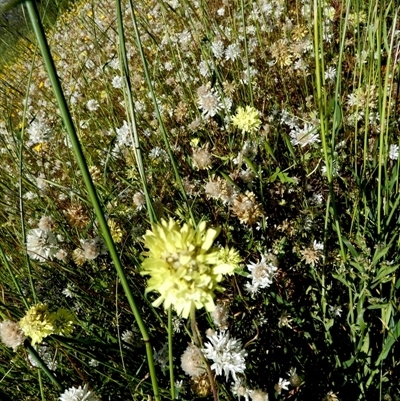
{"points": [[183, 266], [63, 322], [37, 323], [247, 120]]}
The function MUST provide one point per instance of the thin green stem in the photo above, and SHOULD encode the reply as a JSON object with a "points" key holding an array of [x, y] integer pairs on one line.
{"points": [[321, 99], [158, 114], [171, 353], [13, 278], [132, 113], [69, 126], [246, 52], [21, 201], [39, 372], [39, 362]]}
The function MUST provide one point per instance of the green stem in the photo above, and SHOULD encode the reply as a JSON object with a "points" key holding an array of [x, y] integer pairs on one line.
{"points": [[39, 362], [21, 202], [132, 113], [157, 111], [246, 52], [171, 354], [321, 98], [69, 126], [13, 278]]}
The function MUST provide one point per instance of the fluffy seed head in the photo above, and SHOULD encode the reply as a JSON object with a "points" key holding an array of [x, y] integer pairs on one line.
{"points": [[11, 334], [192, 361]]}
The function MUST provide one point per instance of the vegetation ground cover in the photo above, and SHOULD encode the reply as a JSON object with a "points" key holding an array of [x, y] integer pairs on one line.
{"points": [[207, 205]]}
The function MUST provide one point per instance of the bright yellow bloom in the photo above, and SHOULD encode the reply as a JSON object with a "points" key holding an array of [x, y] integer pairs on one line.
{"points": [[183, 266], [247, 120], [37, 323]]}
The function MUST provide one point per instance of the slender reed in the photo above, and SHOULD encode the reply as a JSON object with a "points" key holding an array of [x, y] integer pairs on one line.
{"points": [[67, 119]]}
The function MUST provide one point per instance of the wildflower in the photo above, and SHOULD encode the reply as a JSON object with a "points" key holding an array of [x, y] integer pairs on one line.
{"points": [[184, 269], [192, 361], [124, 136], [92, 105], [139, 200], [209, 101], [330, 74], [93, 248], [176, 324], [46, 223], [336, 311], [94, 363], [232, 52], [115, 231], [37, 323], [220, 317], [247, 120], [41, 244], [130, 337], [11, 334], [78, 256], [117, 82], [158, 153], [262, 272], [39, 131], [230, 256], [303, 136], [79, 394], [281, 385], [312, 254], [217, 48], [394, 152], [247, 209], [202, 158], [220, 189], [239, 389], [258, 395], [294, 378], [227, 354], [201, 385], [331, 396], [285, 320], [63, 322]]}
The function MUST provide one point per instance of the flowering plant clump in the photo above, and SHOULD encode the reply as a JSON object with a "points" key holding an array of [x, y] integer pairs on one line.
{"points": [[183, 266], [39, 323], [247, 120]]}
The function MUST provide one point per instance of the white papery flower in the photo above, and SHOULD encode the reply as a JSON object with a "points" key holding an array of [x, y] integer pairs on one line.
{"points": [[209, 101], [239, 389], [41, 244], [304, 136], [262, 273], [227, 354], [79, 394], [92, 105]]}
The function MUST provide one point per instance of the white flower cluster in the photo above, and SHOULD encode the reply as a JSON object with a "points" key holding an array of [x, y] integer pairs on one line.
{"points": [[79, 394], [41, 244], [262, 273], [227, 354]]}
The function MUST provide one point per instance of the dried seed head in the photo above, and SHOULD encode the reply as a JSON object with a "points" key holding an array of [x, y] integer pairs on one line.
{"points": [[192, 361], [11, 334], [247, 209]]}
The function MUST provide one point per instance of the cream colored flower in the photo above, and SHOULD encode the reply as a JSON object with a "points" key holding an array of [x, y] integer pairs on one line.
{"points": [[247, 120], [183, 266], [37, 323]]}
